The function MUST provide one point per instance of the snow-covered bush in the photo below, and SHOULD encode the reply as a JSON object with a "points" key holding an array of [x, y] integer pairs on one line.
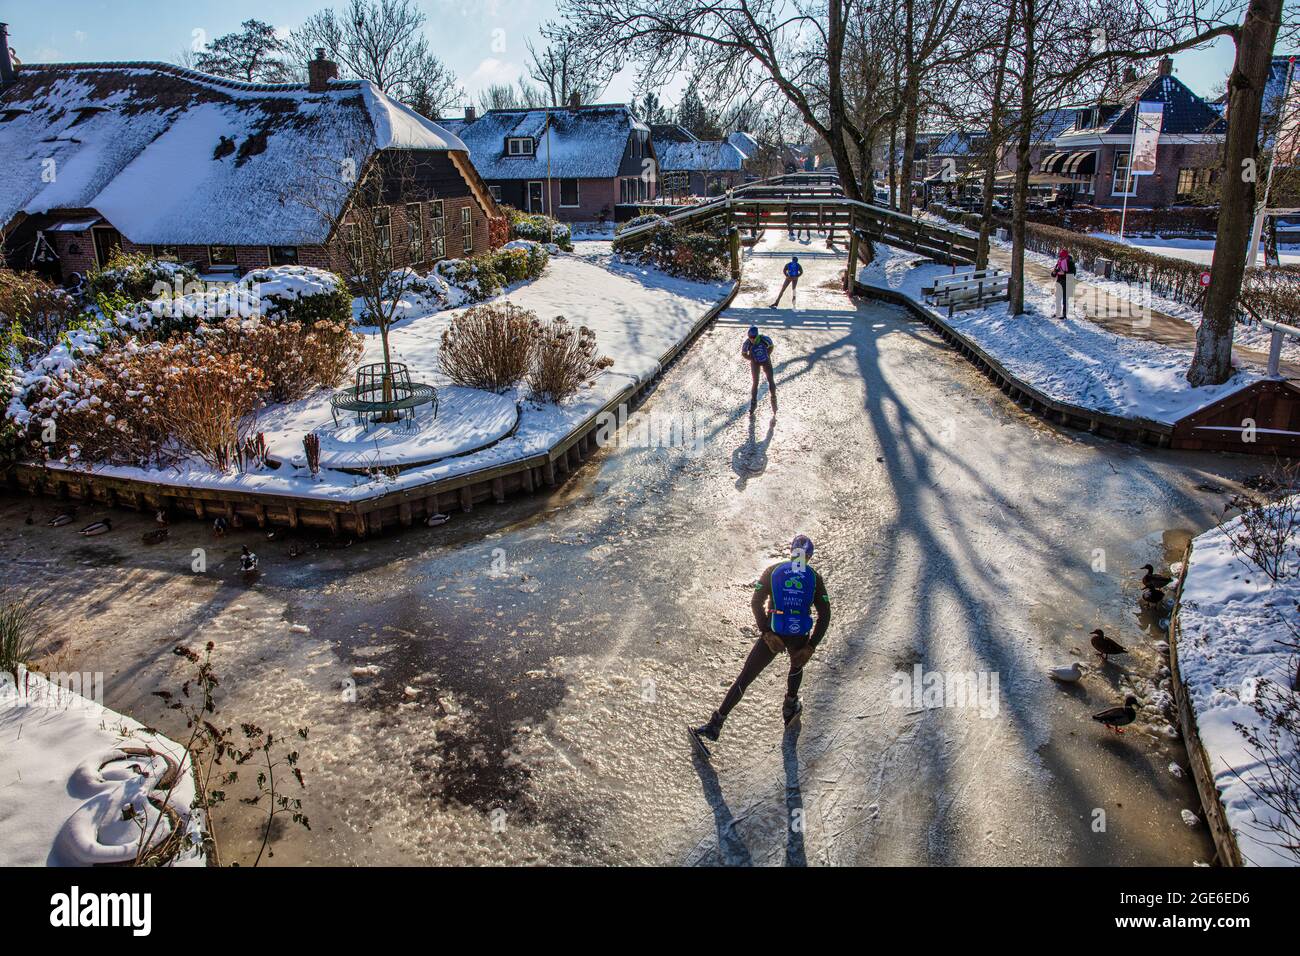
{"points": [[539, 228], [138, 277], [489, 346], [299, 293], [639, 221], [520, 260], [563, 359], [294, 358], [693, 255]]}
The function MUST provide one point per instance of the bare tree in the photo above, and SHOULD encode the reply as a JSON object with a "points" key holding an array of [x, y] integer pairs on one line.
{"points": [[566, 69], [503, 96]]}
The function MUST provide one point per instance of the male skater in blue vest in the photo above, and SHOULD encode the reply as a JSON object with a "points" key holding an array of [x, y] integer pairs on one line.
{"points": [[757, 349], [784, 601], [792, 272]]}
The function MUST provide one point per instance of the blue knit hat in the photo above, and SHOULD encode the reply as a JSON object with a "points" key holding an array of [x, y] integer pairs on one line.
{"points": [[753, 331], [802, 543]]}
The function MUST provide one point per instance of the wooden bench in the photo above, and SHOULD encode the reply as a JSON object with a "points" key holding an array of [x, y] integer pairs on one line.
{"points": [[969, 290]]}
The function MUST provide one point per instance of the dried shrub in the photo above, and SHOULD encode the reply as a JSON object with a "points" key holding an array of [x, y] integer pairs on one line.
{"points": [[208, 402], [489, 346], [498, 231], [293, 357], [564, 358], [40, 311], [1266, 532]]}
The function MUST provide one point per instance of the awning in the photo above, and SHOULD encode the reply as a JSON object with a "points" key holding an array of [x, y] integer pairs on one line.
{"points": [[71, 225], [1052, 163], [1036, 179], [1082, 163]]}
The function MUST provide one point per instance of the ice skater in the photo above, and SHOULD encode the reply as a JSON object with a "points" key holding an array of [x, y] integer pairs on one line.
{"points": [[786, 599], [1063, 272], [757, 350], [792, 272]]}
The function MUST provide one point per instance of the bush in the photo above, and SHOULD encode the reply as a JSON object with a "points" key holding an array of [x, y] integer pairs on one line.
{"points": [[563, 359], [489, 346], [138, 277], [18, 632], [299, 294], [208, 400], [477, 277], [640, 221], [520, 260], [693, 255], [39, 310], [539, 228], [293, 357]]}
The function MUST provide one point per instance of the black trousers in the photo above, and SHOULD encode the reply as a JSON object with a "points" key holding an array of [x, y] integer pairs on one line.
{"points": [[791, 283], [759, 657], [771, 383]]}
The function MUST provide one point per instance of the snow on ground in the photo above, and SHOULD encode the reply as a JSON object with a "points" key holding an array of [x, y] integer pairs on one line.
{"points": [[1193, 250], [637, 313], [1229, 622], [67, 773], [1072, 360]]}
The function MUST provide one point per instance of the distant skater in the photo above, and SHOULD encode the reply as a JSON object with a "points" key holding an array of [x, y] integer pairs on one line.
{"points": [[757, 350], [786, 600], [792, 272], [1063, 272]]}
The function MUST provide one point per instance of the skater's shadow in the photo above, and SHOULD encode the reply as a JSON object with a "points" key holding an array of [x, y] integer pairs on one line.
{"points": [[795, 818], [731, 848], [749, 460]]}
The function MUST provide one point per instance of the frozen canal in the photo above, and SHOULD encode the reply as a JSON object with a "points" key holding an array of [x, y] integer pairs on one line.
{"points": [[536, 661]]}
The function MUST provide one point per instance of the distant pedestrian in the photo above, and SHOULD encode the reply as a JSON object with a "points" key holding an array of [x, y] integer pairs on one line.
{"points": [[1063, 272], [792, 272], [757, 350]]}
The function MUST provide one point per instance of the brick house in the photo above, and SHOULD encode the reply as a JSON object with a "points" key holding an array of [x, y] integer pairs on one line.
{"points": [[689, 166], [1094, 152], [226, 175], [575, 163]]}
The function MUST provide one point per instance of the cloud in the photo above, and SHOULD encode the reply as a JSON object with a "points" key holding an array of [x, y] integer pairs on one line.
{"points": [[492, 70]]}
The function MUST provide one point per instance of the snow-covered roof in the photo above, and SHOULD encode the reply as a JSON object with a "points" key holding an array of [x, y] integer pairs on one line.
{"points": [[1184, 111], [585, 142], [961, 142], [744, 143], [710, 156], [171, 156]]}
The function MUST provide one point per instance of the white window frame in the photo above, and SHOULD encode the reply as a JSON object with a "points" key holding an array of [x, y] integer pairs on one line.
{"points": [[525, 144], [528, 195], [1116, 182], [414, 234], [467, 229], [437, 231], [495, 193]]}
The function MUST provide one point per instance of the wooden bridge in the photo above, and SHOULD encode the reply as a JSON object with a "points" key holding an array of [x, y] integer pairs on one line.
{"points": [[816, 201]]}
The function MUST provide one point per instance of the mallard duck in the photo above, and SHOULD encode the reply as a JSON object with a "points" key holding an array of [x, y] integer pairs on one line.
{"points": [[96, 527], [1113, 718], [154, 536], [1153, 595], [1104, 646], [58, 521], [160, 517], [219, 527], [435, 520], [1067, 675], [247, 561], [1153, 580]]}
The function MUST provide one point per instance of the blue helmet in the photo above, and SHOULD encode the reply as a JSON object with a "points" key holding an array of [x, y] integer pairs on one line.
{"points": [[802, 543], [794, 258], [753, 331]]}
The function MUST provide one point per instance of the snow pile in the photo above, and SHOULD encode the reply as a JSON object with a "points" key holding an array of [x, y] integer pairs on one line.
{"points": [[291, 283], [1229, 622], [70, 767], [1071, 360]]}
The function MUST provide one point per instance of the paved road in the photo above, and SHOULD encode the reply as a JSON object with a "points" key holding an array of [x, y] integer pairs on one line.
{"points": [[538, 660]]}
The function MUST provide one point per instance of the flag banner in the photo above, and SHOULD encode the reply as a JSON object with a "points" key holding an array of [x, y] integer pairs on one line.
{"points": [[1288, 124], [1150, 117]]}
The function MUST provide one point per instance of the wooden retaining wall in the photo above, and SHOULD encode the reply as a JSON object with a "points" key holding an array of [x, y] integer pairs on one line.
{"points": [[1145, 431], [358, 517], [1225, 841]]}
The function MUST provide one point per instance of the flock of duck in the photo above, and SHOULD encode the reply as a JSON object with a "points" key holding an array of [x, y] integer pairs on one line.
{"points": [[247, 559], [1115, 718]]}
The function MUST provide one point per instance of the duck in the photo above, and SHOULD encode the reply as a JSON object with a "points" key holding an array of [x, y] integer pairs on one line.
{"points": [[154, 536], [247, 561], [59, 520], [1153, 595], [160, 517], [295, 549], [1069, 674], [1153, 580], [435, 520], [96, 527], [1115, 718], [1104, 646], [219, 527]]}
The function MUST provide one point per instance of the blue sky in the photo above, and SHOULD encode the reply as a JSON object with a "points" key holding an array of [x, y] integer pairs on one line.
{"points": [[482, 40]]}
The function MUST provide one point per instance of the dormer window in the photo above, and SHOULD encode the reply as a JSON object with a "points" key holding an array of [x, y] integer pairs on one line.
{"points": [[520, 146]]}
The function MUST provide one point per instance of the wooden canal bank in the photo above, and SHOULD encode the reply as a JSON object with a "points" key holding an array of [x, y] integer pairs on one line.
{"points": [[358, 517]]}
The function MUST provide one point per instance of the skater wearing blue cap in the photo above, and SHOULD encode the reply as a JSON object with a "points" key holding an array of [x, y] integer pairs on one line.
{"points": [[786, 599], [792, 272], [757, 350]]}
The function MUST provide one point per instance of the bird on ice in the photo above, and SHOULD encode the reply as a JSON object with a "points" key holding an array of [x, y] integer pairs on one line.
{"points": [[1104, 646], [1116, 718], [1067, 675]]}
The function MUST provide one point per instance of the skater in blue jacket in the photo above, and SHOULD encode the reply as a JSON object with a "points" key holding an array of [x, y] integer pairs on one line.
{"points": [[757, 350], [792, 272]]}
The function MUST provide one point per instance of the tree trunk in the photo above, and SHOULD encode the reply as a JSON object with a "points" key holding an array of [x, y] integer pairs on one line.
{"points": [[1024, 142], [893, 162], [995, 119], [1212, 363], [911, 116]]}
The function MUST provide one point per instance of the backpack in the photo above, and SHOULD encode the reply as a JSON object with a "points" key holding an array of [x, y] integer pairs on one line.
{"points": [[792, 599]]}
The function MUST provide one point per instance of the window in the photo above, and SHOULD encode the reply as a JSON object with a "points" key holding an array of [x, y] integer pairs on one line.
{"points": [[1194, 184], [520, 146], [414, 234], [437, 231], [568, 192], [283, 255], [467, 228], [352, 244], [165, 252], [627, 191], [1123, 184], [495, 192], [221, 255], [383, 230]]}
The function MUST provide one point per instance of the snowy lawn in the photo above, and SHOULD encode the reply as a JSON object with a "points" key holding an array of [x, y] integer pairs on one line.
{"points": [[66, 775], [1193, 250], [637, 313], [1072, 360], [1229, 616]]}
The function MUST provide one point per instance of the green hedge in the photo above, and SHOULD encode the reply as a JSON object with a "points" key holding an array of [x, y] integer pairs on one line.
{"points": [[136, 276]]}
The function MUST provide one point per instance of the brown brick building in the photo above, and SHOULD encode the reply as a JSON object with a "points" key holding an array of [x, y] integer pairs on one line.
{"points": [[228, 176]]}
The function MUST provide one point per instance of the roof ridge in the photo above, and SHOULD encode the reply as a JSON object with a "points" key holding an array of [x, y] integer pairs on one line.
{"points": [[186, 73]]}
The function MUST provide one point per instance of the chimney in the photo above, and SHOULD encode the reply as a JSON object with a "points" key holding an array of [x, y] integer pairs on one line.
{"points": [[7, 74], [1166, 66], [471, 114], [320, 71], [575, 100]]}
